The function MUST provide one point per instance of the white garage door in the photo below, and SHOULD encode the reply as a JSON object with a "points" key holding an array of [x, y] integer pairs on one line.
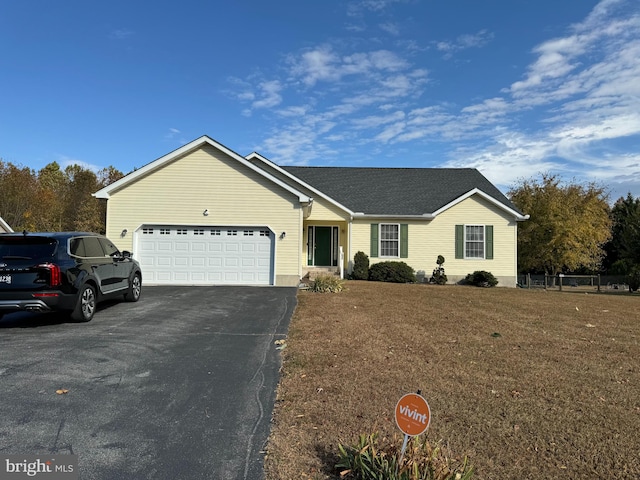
{"points": [[171, 255]]}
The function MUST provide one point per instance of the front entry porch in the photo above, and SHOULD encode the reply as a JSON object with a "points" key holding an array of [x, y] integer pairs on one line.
{"points": [[323, 246]]}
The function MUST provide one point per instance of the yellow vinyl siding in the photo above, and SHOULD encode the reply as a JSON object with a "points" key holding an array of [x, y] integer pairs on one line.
{"points": [[180, 191], [323, 210], [428, 239], [477, 211]]}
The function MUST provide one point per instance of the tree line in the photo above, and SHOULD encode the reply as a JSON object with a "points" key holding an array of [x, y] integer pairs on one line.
{"points": [[54, 199], [573, 228]]}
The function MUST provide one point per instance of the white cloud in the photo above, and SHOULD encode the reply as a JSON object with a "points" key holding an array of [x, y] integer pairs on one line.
{"points": [[323, 64], [464, 42], [172, 133], [120, 34], [269, 95], [390, 28], [66, 161]]}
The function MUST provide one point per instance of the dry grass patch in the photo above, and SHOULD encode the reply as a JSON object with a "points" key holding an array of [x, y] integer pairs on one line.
{"points": [[527, 384]]}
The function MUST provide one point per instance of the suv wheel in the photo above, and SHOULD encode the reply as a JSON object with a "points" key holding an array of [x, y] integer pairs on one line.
{"points": [[86, 304], [135, 288]]}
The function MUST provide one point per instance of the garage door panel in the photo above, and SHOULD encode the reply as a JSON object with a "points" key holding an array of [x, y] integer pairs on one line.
{"points": [[163, 246], [181, 246], [180, 261], [248, 262], [214, 261], [214, 277], [163, 276], [198, 262], [198, 247], [231, 262], [206, 255]]}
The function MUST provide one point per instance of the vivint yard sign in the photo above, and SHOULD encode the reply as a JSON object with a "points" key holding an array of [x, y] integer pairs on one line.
{"points": [[413, 417], [413, 414]]}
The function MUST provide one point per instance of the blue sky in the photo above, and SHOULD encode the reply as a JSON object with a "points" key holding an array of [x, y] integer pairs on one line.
{"points": [[511, 87]]}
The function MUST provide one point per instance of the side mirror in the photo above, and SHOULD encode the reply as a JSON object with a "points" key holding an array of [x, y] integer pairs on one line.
{"points": [[126, 254]]}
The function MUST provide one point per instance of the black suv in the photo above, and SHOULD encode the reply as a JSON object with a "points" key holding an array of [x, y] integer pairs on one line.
{"points": [[66, 271]]}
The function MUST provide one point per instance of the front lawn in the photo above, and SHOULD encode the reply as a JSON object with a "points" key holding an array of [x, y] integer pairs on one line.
{"points": [[526, 383]]}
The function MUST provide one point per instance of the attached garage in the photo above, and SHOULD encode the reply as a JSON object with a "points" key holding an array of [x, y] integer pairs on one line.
{"points": [[206, 255]]}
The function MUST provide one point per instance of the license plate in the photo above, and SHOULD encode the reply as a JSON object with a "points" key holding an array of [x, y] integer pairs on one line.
{"points": [[5, 278]]}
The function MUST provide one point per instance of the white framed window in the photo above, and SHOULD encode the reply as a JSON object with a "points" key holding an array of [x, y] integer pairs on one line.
{"points": [[198, 231], [165, 231], [232, 233], [264, 233], [248, 233], [390, 240], [147, 231], [474, 241], [216, 232], [181, 231]]}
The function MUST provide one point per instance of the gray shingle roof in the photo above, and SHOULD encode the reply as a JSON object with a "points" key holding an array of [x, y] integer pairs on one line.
{"points": [[396, 191]]}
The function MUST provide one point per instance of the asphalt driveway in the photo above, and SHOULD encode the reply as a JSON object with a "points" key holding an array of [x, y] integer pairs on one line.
{"points": [[180, 385]]}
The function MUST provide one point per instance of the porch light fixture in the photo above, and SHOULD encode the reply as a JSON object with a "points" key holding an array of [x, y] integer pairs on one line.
{"points": [[123, 233], [282, 235], [206, 212]]}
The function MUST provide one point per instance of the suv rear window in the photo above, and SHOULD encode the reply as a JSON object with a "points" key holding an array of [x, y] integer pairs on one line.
{"points": [[27, 248]]}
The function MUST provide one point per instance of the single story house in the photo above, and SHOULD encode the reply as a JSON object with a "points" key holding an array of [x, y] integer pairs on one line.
{"points": [[205, 215], [4, 227]]}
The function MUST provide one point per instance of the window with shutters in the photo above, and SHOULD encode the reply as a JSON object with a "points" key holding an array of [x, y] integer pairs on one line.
{"points": [[390, 240], [474, 241]]}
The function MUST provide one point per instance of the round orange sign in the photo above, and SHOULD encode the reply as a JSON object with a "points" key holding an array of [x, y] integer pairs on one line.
{"points": [[413, 414]]}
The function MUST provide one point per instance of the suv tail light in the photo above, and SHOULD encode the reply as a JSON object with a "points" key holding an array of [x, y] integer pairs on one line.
{"points": [[55, 277]]}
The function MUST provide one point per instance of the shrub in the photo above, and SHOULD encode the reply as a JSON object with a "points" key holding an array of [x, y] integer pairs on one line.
{"points": [[634, 278], [327, 284], [360, 266], [438, 277], [395, 272], [374, 460], [481, 278]]}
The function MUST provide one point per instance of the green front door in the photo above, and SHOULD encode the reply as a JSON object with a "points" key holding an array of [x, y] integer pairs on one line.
{"points": [[323, 246]]}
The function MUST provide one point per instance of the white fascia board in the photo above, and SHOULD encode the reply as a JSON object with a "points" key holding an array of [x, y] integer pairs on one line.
{"points": [[476, 191], [298, 181], [5, 226], [195, 144]]}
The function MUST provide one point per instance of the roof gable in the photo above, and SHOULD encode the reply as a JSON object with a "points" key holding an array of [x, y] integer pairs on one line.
{"points": [[149, 168], [419, 192]]}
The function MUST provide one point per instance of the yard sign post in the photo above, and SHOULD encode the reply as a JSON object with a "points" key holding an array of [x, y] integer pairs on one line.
{"points": [[413, 417]]}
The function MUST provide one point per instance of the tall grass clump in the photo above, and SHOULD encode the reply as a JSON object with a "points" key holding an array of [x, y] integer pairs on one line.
{"points": [[375, 459], [327, 284]]}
